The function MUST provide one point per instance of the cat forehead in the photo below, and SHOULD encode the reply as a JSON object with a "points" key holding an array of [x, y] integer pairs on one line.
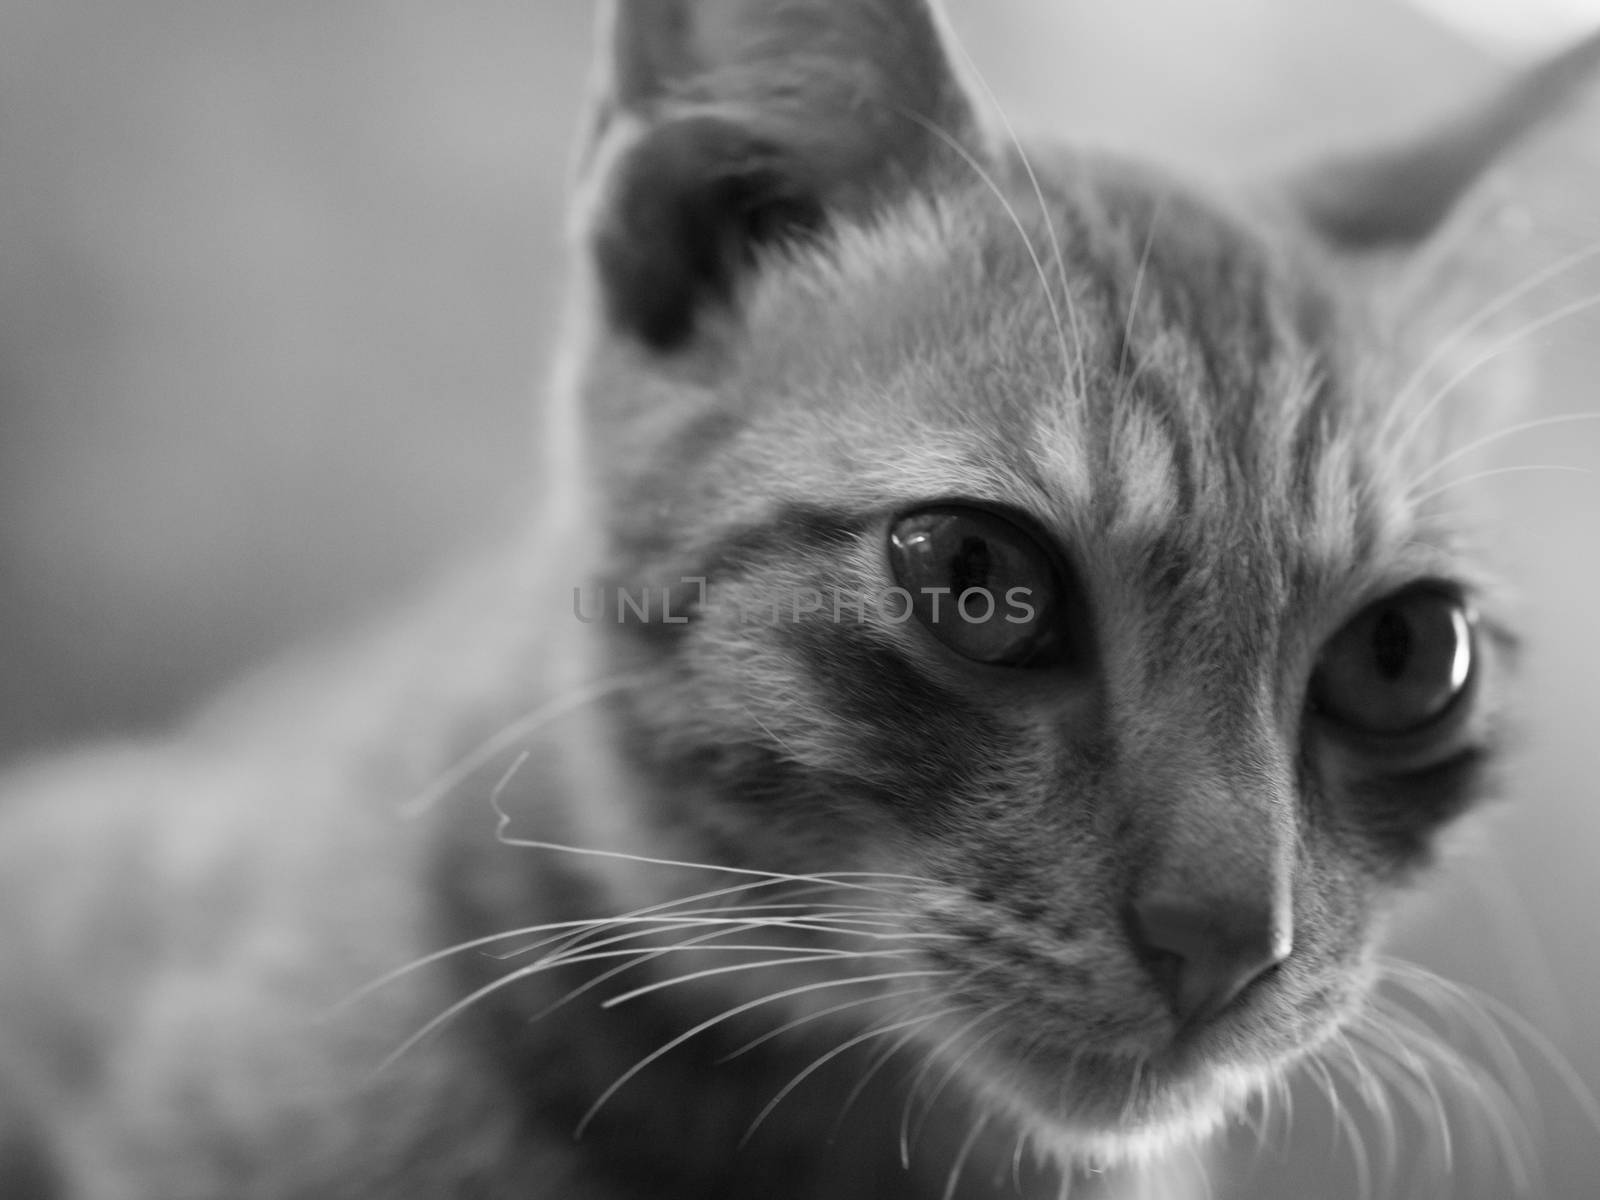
{"points": [[1105, 353], [993, 306]]}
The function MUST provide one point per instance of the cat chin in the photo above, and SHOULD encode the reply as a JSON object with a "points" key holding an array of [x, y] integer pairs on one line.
{"points": [[1085, 1148], [1096, 1131]]}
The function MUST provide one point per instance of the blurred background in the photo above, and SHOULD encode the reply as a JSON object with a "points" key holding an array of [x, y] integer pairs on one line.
{"points": [[278, 286]]}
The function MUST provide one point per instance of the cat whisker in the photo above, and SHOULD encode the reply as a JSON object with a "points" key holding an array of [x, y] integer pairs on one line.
{"points": [[756, 915], [503, 821], [792, 955], [1017, 1152], [709, 972], [1487, 312], [1286, 1095], [953, 1070], [1135, 1077], [689, 943], [671, 907], [1082, 373], [1489, 439], [476, 943], [1498, 1118], [1344, 1126], [883, 930], [822, 1014], [653, 918], [879, 1060], [963, 1153], [844, 879], [1005, 202], [576, 930], [729, 1014], [1497, 1015], [1478, 476], [930, 1059], [1494, 352], [821, 1061], [461, 1005], [552, 962], [1403, 1062], [1494, 1118], [510, 736], [1457, 1006], [1369, 1086], [1260, 1122], [1340, 1059], [1253, 1115], [641, 958]]}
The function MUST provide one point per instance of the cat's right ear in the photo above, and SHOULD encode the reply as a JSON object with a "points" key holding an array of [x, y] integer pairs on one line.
{"points": [[1400, 196], [726, 127]]}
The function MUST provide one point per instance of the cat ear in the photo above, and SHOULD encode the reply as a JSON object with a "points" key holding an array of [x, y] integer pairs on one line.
{"points": [[723, 126], [1401, 195]]}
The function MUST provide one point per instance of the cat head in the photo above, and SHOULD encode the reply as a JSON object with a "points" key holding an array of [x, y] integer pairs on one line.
{"points": [[1069, 538]]}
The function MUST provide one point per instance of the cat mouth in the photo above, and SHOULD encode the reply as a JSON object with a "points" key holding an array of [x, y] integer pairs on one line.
{"points": [[1108, 1107], [1139, 1095]]}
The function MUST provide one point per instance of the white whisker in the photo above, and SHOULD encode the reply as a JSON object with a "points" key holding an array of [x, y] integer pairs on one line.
{"points": [[1559, 1064], [818, 1063], [728, 1014], [931, 1058], [1488, 312], [710, 972], [1082, 376], [963, 1153], [1498, 350], [1489, 439], [1477, 476], [822, 1014], [1005, 202], [843, 879], [953, 1070], [510, 737], [879, 1060]]}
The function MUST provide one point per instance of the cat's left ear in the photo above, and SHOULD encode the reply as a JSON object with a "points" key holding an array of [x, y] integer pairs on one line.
{"points": [[1399, 196], [725, 126]]}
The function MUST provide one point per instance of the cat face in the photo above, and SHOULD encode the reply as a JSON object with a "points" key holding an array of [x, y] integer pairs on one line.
{"points": [[1033, 527]]}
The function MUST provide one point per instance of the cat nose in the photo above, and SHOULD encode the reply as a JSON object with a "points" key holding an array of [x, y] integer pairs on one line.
{"points": [[1206, 951]]}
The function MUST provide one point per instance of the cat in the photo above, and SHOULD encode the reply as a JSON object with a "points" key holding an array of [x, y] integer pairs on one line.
{"points": [[997, 643]]}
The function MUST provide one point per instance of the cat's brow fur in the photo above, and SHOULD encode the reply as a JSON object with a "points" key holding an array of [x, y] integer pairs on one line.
{"points": [[817, 292]]}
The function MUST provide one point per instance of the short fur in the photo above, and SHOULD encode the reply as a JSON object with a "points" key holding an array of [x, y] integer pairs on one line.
{"points": [[818, 293]]}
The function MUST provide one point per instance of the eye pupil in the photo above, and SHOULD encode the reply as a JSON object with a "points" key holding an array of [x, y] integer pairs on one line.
{"points": [[983, 585], [971, 565], [1399, 666], [1391, 644]]}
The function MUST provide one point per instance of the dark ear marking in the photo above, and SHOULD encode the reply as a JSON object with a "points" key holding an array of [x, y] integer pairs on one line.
{"points": [[1400, 195], [689, 207], [724, 126]]}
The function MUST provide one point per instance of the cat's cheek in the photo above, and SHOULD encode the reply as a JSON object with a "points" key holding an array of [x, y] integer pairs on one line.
{"points": [[1390, 800], [1390, 822]]}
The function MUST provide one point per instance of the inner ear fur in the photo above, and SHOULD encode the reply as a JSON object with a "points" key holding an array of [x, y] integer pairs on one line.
{"points": [[723, 127], [685, 213]]}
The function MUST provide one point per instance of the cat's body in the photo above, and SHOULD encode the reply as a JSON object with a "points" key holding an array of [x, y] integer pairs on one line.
{"points": [[1061, 889]]}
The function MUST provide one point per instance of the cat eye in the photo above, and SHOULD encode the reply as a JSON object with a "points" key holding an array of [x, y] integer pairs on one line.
{"points": [[982, 585], [1399, 666]]}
